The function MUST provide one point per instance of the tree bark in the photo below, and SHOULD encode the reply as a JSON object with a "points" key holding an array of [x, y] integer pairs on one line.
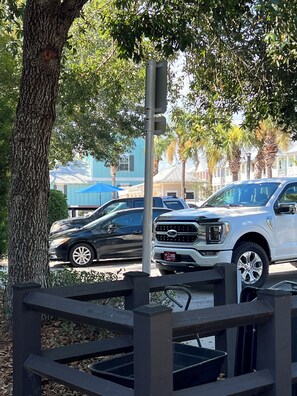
{"points": [[183, 179], [46, 25], [259, 164], [270, 149], [113, 173], [235, 162]]}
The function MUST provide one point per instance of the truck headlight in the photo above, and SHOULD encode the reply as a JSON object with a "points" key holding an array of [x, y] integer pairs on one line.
{"points": [[216, 233]]}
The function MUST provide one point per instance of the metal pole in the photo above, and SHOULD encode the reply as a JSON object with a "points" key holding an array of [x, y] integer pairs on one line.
{"points": [[149, 157]]}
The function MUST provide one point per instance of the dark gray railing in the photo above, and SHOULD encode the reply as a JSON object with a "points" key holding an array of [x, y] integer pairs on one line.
{"points": [[140, 322]]}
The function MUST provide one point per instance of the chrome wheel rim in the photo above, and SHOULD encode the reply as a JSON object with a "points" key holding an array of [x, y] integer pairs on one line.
{"points": [[81, 255], [251, 267]]}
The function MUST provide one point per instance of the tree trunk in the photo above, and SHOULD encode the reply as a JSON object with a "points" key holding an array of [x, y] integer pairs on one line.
{"points": [[113, 172], [210, 177], [270, 150], [183, 179], [234, 162], [259, 164], [156, 166], [46, 25]]}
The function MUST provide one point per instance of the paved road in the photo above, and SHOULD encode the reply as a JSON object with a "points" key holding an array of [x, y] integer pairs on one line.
{"points": [[277, 272], [115, 266]]}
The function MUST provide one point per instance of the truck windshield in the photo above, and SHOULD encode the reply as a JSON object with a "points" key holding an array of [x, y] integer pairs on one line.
{"points": [[249, 194]]}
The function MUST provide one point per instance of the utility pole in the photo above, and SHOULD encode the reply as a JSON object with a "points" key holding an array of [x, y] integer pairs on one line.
{"points": [[155, 103]]}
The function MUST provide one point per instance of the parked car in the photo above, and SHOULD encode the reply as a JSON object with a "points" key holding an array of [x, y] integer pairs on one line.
{"points": [[116, 235], [114, 205]]}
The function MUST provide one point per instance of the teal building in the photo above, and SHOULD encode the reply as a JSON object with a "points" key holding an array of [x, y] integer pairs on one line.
{"points": [[82, 173]]}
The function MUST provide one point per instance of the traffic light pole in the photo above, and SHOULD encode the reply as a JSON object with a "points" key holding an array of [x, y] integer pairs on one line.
{"points": [[150, 104]]}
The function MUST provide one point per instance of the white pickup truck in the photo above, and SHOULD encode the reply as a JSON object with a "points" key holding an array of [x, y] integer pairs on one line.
{"points": [[251, 223]]}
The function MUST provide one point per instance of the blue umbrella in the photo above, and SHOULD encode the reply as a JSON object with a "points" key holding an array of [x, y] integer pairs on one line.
{"points": [[100, 188]]}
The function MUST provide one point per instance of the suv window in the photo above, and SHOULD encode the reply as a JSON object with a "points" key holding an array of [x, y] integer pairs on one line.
{"points": [[139, 203], [113, 207], [175, 205]]}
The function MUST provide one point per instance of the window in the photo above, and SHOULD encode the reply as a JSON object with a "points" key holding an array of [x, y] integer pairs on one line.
{"points": [[126, 163], [139, 203], [114, 207], [175, 205], [171, 194], [128, 219], [189, 195], [123, 220], [290, 194], [291, 161]]}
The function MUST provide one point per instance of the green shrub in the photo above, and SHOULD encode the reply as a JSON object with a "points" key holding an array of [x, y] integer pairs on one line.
{"points": [[57, 206], [70, 276]]}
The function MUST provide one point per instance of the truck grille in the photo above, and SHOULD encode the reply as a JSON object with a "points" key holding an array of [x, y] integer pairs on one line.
{"points": [[185, 233]]}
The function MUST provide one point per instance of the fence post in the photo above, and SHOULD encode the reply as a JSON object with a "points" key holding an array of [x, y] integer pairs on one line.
{"points": [[140, 293], [274, 341], [225, 292], [26, 340], [153, 355]]}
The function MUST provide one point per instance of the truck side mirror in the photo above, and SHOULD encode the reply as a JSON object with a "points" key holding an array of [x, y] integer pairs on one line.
{"points": [[286, 208]]}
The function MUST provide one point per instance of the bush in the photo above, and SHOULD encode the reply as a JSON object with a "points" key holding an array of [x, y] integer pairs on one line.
{"points": [[70, 276], [57, 206]]}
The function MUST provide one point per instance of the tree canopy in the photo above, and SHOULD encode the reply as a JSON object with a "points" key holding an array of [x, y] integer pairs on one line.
{"points": [[242, 55], [100, 105]]}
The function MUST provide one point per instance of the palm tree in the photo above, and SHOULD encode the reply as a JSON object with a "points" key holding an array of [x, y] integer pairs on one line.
{"points": [[259, 164], [234, 139], [160, 146], [268, 138], [181, 142], [214, 154]]}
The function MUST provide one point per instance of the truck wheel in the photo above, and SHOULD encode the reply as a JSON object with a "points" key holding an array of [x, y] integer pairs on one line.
{"points": [[252, 261], [81, 255]]}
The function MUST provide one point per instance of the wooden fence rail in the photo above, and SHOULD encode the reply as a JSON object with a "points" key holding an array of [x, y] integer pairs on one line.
{"points": [[148, 330]]}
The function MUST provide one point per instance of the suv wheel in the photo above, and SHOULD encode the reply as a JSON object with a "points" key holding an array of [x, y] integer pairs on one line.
{"points": [[81, 255], [252, 261]]}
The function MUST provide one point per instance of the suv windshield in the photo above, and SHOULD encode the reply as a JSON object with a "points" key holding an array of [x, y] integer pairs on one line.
{"points": [[248, 194]]}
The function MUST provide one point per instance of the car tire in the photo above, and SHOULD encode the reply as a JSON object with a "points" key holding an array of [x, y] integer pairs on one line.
{"points": [[252, 261], [81, 255]]}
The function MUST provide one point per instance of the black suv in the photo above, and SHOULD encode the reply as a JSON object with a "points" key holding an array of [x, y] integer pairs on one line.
{"points": [[113, 206]]}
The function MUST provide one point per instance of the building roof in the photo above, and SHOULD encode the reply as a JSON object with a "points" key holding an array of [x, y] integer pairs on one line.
{"points": [[174, 175], [76, 172]]}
